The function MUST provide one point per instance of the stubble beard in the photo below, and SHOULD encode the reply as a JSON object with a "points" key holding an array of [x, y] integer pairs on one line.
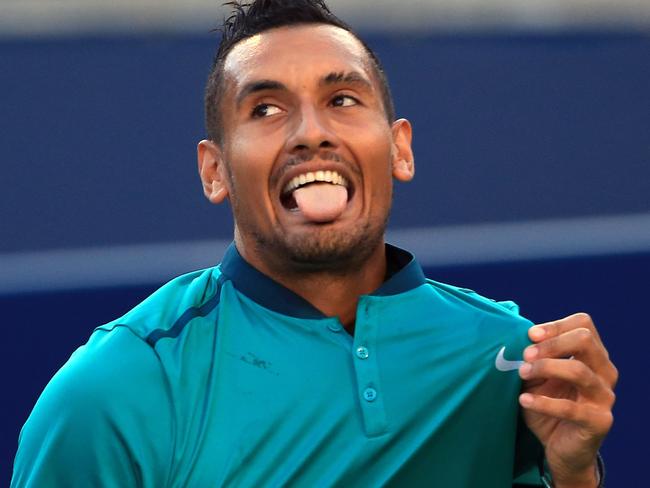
{"points": [[322, 250]]}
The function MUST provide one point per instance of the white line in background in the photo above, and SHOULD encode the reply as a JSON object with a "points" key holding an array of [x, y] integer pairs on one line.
{"points": [[433, 246], [77, 17], [518, 241]]}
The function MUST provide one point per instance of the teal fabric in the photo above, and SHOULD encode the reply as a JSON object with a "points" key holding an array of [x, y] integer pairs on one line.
{"points": [[224, 378]]}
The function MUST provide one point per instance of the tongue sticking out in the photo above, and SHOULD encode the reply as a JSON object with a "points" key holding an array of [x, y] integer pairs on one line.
{"points": [[321, 202]]}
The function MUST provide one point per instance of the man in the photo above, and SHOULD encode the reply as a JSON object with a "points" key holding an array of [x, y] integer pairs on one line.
{"points": [[315, 354]]}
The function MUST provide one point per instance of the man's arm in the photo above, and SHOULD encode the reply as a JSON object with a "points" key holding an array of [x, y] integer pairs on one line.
{"points": [[101, 421], [568, 397]]}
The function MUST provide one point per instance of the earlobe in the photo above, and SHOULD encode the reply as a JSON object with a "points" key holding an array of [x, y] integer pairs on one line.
{"points": [[212, 171], [218, 194], [403, 160]]}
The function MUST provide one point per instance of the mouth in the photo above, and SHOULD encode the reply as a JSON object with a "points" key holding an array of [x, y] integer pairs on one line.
{"points": [[321, 179]]}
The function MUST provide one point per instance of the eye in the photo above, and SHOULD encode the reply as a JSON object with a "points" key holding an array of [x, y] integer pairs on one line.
{"points": [[265, 110], [344, 101]]}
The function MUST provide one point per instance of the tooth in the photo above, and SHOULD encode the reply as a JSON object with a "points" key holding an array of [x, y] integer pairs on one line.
{"points": [[291, 185], [321, 175]]}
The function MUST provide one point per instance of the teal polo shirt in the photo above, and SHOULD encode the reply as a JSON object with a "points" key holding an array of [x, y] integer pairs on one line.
{"points": [[225, 378]]}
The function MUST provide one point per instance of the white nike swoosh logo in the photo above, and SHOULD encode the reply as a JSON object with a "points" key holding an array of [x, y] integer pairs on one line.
{"points": [[502, 364]]}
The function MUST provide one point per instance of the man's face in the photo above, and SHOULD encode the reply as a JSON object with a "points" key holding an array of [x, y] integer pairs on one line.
{"points": [[302, 103]]}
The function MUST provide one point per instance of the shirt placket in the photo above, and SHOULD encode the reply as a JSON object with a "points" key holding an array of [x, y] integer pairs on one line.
{"points": [[366, 366]]}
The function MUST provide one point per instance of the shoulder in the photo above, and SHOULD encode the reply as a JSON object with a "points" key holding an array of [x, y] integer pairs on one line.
{"points": [[111, 406], [107, 408], [486, 320], [106, 366], [191, 294], [472, 300]]}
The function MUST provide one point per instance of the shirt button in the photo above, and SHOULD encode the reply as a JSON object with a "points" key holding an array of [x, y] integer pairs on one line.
{"points": [[369, 394], [334, 327], [362, 352]]}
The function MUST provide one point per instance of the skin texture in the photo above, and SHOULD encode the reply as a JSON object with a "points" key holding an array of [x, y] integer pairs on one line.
{"points": [[287, 110]]}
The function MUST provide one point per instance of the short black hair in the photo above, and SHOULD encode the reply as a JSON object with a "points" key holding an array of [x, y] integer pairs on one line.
{"points": [[251, 18]]}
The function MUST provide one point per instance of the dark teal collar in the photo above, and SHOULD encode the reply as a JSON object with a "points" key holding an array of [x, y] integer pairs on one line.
{"points": [[404, 274]]}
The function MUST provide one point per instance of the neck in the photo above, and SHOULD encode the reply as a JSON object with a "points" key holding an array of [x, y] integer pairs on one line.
{"points": [[334, 293]]}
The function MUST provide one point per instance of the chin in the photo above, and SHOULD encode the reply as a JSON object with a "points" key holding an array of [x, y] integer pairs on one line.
{"points": [[324, 249]]}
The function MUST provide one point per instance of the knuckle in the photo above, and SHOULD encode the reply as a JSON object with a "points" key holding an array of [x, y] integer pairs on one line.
{"points": [[615, 374], [611, 398], [608, 419], [583, 374], [584, 336], [584, 319]]}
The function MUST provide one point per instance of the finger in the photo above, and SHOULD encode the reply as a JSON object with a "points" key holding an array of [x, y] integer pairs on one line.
{"points": [[596, 420], [558, 327], [573, 372], [577, 342], [581, 344]]}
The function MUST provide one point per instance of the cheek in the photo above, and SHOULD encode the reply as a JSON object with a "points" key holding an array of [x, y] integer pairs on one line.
{"points": [[250, 167], [243, 158], [380, 177], [378, 170]]}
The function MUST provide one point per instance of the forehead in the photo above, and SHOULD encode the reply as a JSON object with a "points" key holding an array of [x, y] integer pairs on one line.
{"points": [[295, 53]]}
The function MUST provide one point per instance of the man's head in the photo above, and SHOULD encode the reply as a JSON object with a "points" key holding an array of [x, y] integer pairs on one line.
{"points": [[306, 146]]}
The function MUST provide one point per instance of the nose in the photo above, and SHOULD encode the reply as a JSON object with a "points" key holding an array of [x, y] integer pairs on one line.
{"points": [[311, 131]]}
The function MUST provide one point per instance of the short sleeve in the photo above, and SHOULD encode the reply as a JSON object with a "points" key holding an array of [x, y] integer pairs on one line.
{"points": [[102, 421]]}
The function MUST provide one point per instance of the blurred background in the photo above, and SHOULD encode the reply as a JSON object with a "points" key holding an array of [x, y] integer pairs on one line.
{"points": [[532, 140]]}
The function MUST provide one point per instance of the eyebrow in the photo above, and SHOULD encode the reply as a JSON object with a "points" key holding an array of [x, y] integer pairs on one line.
{"points": [[341, 77], [257, 86]]}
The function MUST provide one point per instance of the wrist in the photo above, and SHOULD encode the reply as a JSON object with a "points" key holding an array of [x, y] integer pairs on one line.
{"points": [[589, 478], [571, 479]]}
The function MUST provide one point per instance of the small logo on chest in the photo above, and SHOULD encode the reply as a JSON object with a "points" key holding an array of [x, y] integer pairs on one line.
{"points": [[502, 364], [254, 360]]}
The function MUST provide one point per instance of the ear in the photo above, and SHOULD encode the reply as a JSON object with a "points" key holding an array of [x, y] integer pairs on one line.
{"points": [[403, 161], [212, 171]]}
